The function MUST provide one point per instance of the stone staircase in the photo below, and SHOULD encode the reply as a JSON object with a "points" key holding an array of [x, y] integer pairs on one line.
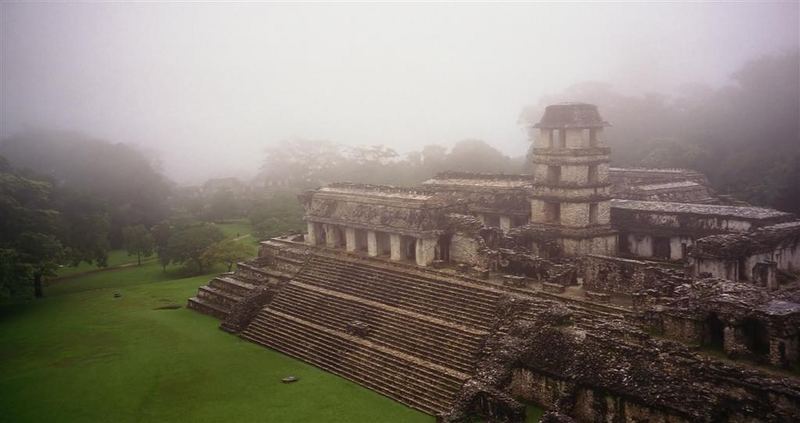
{"points": [[221, 293], [409, 335]]}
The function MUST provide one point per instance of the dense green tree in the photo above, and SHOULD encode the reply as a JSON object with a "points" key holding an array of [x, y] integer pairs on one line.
{"points": [[85, 228], [119, 176], [187, 244], [276, 215], [477, 156], [161, 233], [29, 230], [15, 276], [138, 242], [43, 253], [227, 252], [222, 205]]}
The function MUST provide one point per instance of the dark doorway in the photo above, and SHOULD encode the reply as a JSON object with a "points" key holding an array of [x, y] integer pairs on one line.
{"points": [[624, 244], [443, 247], [756, 336], [661, 248], [411, 248], [714, 332]]}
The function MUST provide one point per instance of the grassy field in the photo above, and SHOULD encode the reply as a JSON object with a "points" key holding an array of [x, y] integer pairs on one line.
{"points": [[82, 355]]}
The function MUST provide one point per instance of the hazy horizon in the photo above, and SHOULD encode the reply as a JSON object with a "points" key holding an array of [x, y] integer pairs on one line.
{"points": [[207, 87]]}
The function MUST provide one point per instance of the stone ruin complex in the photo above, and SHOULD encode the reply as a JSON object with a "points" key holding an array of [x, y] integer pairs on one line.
{"points": [[599, 294]]}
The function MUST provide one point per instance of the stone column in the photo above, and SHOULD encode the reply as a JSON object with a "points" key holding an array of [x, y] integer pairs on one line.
{"points": [[350, 239], [731, 342], [396, 246], [331, 236], [312, 238], [425, 250], [505, 223], [778, 349], [372, 243]]}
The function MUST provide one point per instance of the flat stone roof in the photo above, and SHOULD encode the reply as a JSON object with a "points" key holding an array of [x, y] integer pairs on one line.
{"points": [[702, 209], [481, 182], [780, 308], [379, 191], [668, 185], [650, 170], [571, 115]]}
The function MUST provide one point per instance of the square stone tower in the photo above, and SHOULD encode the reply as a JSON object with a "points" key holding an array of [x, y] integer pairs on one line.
{"points": [[570, 207]]}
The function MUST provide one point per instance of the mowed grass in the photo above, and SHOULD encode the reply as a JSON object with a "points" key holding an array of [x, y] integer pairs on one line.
{"points": [[82, 355]]}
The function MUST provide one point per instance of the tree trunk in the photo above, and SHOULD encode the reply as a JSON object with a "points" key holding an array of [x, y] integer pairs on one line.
{"points": [[37, 285]]}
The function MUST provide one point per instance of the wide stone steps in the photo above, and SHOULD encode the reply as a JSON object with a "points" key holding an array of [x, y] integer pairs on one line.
{"points": [[207, 307], [440, 306], [465, 336], [401, 331], [218, 296], [232, 283], [410, 380], [418, 276], [434, 300]]}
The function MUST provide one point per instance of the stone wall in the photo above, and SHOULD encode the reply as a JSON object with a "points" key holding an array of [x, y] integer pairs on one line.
{"points": [[464, 249], [614, 274]]}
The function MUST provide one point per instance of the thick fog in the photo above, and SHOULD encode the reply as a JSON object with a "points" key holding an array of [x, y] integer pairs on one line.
{"points": [[207, 87]]}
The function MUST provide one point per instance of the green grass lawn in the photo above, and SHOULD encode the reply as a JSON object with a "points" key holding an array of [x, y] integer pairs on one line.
{"points": [[81, 355], [115, 258], [233, 227]]}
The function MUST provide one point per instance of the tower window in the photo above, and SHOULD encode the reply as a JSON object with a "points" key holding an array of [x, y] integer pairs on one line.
{"points": [[592, 177], [593, 213], [553, 174], [552, 212], [593, 137]]}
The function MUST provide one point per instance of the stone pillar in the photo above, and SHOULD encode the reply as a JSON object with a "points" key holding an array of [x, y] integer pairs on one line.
{"points": [[783, 352], [731, 342], [396, 247], [350, 239], [505, 223], [372, 243], [312, 238], [331, 236], [425, 251]]}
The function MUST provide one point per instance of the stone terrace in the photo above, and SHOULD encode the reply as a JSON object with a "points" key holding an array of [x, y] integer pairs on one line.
{"points": [[412, 336]]}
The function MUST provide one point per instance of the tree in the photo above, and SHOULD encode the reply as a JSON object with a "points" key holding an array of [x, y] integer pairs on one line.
{"points": [[120, 176], [15, 276], [277, 215], [29, 227], [138, 241], [476, 156], [42, 252], [187, 244], [228, 252], [85, 227], [161, 234]]}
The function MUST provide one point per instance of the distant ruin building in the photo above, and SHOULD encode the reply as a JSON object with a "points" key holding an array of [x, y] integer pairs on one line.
{"points": [[596, 293]]}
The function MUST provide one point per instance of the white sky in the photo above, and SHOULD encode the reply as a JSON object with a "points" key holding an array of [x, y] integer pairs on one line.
{"points": [[207, 86]]}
